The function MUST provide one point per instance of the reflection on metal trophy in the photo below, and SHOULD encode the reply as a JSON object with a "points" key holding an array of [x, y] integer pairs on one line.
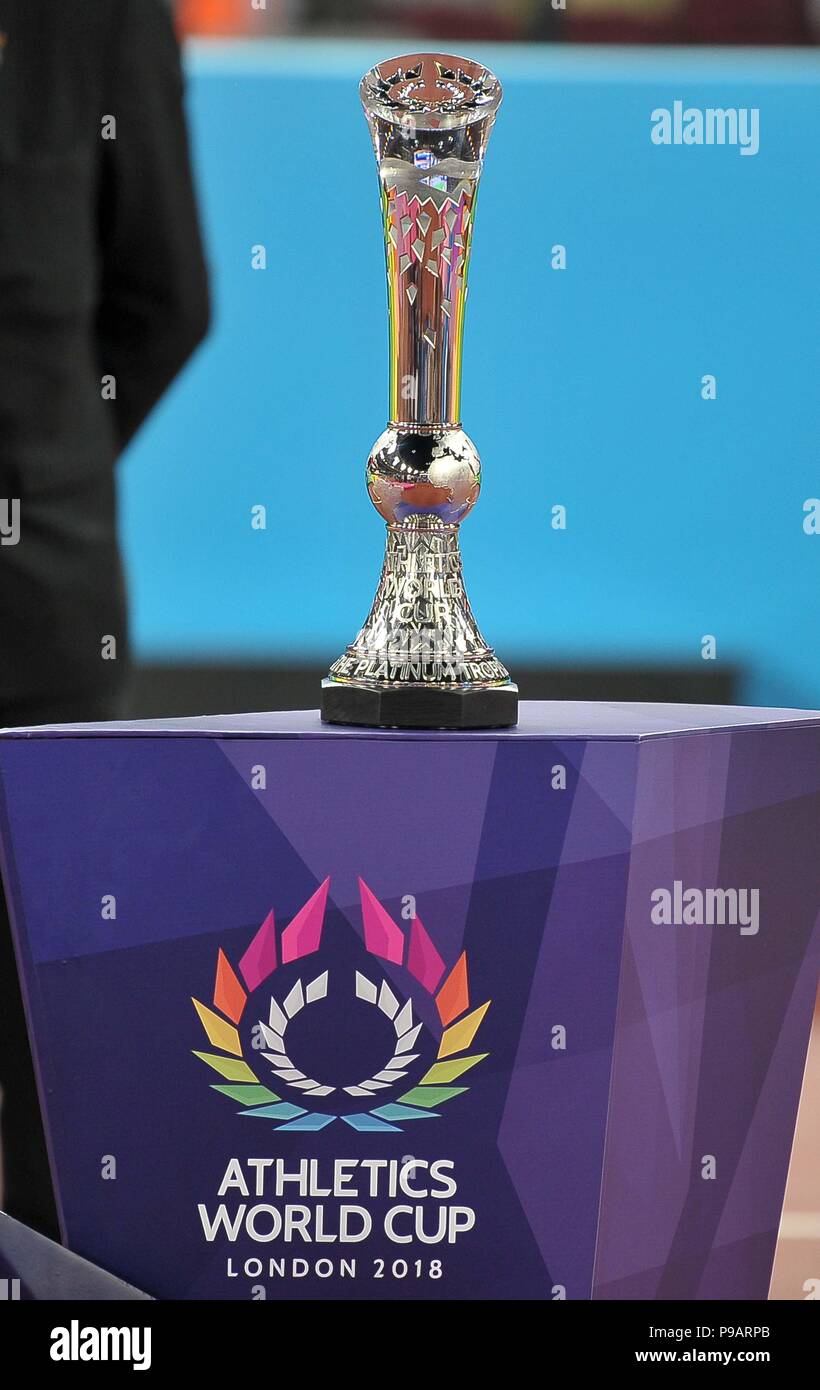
{"points": [[420, 660]]}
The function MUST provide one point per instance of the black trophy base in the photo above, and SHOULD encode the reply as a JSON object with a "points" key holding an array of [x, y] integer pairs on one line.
{"points": [[419, 706]]}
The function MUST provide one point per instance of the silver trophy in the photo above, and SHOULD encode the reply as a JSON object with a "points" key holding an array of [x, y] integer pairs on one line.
{"points": [[420, 660]]}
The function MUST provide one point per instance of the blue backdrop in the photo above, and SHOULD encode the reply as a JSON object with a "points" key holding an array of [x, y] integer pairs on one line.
{"points": [[685, 517]]}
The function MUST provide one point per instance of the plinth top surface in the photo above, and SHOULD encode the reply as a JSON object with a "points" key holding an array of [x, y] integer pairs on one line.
{"points": [[549, 719]]}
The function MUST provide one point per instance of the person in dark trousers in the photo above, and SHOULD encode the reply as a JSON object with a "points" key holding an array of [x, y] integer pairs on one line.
{"points": [[103, 297]]}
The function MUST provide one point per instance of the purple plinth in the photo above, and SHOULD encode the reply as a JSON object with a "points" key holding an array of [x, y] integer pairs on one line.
{"points": [[602, 1107]]}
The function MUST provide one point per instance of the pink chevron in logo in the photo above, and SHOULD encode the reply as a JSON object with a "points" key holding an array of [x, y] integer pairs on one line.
{"points": [[304, 935], [384, 938], [301, 938]]}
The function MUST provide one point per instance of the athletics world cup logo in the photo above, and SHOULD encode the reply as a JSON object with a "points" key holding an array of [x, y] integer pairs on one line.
{"points": [[288, 1075]]}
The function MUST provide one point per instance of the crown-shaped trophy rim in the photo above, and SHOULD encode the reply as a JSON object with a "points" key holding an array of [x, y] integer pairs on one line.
{"points": [[456, 111]]}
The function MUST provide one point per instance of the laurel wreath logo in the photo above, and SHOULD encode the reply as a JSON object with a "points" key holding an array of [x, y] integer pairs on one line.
{"points": [[384, 939]]}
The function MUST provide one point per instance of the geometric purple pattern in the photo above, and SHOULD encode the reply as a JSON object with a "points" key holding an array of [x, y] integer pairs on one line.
{"points": [[712, 1027]]}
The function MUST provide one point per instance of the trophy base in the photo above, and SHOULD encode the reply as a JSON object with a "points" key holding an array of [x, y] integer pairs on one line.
{"points": [[420, 706]]}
